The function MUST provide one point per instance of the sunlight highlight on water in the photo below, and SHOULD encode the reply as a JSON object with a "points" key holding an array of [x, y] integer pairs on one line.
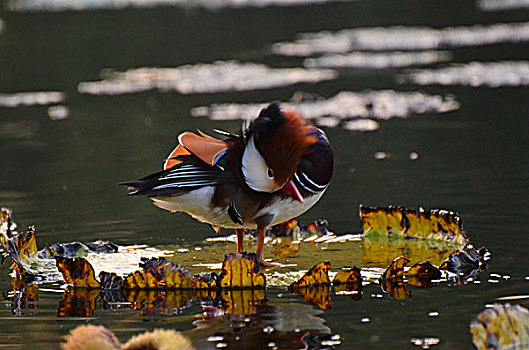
{"points": [[37, 98], [220, 76], [83, 5], [498, 5], [402, 38], [377, 60], [489, 74], [350, 110]]}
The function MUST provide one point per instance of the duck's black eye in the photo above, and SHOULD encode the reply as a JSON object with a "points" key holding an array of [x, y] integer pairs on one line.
{"points": [[270, 173]]}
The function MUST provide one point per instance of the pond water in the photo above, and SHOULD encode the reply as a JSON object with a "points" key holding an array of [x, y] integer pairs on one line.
{"points": [[78, 115]]}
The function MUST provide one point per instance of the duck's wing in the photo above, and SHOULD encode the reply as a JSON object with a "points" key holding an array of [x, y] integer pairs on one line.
{"points": [[194, 163], [203, 146]]}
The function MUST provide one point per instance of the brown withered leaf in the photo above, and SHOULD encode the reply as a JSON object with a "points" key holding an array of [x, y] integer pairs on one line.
{"points": [[395, 269], [421, 275], [348, 276], [77, 273], [110, 281], [466, 260], [318, 295], [205, 280], [135, 281], [241, 271], [78, 302], [436, 224], [243, 301], [28, 248], [159, 273], [348, 282], [317, 275]]}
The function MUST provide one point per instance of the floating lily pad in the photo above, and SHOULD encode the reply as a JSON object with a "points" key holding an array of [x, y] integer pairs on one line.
{"points": [[439, 225], [396, 269], [317, 275]]}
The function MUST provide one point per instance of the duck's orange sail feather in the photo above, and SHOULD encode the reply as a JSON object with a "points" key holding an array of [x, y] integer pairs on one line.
{"points": [[203, 146]]}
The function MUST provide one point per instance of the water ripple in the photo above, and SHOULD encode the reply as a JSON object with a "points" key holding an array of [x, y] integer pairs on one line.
{"points": [[402, 38], [220, 76]]}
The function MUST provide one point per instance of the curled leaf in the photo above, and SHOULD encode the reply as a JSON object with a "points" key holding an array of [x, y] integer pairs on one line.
{"points": [[421, 275], [348, 276], [395, 269], [77, 273], [317, 275], [241, 271], [466, 260], [110, 281], [28, 248], [348, 282], [159, 273], [436, 224], [205, 280], [135, 281]]}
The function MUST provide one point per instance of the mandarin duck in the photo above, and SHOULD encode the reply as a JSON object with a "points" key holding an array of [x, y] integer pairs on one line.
{"points": [[275, 170]]}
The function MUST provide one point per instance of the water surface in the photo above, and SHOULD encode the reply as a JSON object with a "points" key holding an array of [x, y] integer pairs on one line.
{"points": [[60, 174]]}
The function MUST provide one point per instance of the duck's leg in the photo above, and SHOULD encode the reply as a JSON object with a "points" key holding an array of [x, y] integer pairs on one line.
{"points": [[240, 240], [259, 251]]}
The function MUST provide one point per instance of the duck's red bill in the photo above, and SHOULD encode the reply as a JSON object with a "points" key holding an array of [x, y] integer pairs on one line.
{"points": [[291, 190]]}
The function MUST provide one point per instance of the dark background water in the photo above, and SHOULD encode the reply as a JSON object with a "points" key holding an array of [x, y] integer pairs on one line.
{"points": [[61, 175]]}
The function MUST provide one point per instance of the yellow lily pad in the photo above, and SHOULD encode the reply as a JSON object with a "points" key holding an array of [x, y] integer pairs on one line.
{"points": [[439, 225], [241, 271]]}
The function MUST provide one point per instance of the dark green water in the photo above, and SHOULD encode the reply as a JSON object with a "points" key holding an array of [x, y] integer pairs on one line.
{"points": [[61, 175]]}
